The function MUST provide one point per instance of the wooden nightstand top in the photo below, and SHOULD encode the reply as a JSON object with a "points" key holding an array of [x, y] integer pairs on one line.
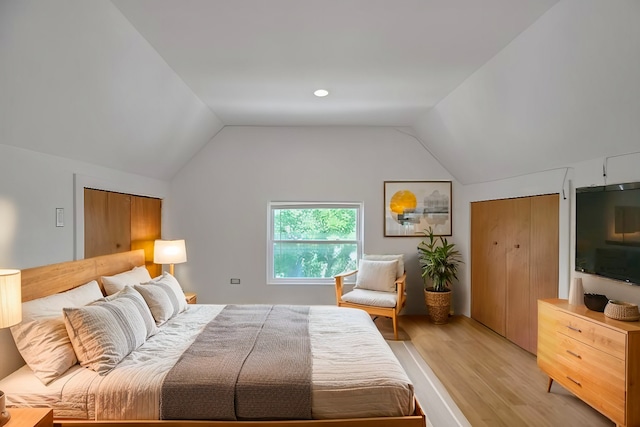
{"points": [[30, 417], [191, 297]]}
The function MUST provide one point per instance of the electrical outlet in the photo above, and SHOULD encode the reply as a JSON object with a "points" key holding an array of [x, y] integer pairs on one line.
{"points": [[235, 281]]}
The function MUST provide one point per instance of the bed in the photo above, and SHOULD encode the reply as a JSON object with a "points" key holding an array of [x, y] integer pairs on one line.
{"points": [[348, 387]]}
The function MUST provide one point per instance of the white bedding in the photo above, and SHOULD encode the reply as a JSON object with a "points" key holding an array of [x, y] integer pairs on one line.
{"points": [[355, 373]]}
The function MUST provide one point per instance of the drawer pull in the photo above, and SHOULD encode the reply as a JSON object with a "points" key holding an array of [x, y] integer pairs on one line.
{"points": [[573, 328], [574, 381], [574, 354]]}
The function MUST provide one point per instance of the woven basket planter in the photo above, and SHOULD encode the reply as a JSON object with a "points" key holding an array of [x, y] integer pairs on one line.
{"points": [[439, 305]]}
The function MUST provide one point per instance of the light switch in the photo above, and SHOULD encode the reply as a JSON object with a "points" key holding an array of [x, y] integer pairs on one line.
{"points": [[59, 217]]}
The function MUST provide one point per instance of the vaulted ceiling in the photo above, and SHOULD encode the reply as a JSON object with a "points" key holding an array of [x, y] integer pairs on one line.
{"points": [[256, 62], [493, 88]]}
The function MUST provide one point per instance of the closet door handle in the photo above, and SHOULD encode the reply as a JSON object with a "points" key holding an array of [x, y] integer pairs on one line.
{"points": [[495, 243], [516, 246]]}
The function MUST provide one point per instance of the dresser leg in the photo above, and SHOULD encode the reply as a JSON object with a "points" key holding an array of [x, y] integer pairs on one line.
{"points": [[549, 384]]}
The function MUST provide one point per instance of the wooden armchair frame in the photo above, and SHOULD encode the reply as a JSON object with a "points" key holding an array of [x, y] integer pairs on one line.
{"points": [[391, 312]]}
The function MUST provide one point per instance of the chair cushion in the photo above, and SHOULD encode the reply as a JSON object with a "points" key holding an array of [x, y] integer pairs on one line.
{"points": [[377, 275], [367, 297], [400, 258]]}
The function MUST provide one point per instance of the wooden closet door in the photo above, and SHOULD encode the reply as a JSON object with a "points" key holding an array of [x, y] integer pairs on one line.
{"points": [[516, 225], [544, 257], [488, 266], [146, 228], [107, 222]]}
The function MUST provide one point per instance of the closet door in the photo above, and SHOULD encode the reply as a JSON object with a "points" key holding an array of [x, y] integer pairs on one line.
{"points": [[515, 228], [107, 222], [544, 257], [116, 222], [488, 264], [145, 228], [514, 262]]}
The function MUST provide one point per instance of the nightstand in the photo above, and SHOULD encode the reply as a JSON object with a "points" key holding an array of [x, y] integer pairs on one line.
{"points": [[30, 417], [191, 297]]}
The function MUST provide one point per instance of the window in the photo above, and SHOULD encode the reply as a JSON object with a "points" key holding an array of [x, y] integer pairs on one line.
{"points": [[309, 243]]}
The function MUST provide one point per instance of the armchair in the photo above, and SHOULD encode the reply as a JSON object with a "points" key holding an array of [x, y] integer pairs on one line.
{"points": [[379, 289]]}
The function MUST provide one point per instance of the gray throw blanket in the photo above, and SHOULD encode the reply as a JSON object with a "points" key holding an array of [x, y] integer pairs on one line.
{"points": [[252, 362]]}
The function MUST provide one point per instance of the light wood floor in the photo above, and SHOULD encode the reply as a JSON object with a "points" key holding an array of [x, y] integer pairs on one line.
{"points": [[493, 381]]}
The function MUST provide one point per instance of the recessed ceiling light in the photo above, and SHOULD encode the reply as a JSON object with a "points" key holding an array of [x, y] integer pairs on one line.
{"points": [[321, 92]]}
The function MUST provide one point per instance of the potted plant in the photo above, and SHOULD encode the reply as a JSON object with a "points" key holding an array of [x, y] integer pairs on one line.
{"points": [[439, 261]]}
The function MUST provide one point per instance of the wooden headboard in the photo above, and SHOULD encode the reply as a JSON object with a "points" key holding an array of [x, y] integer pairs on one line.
{"points": [[38, 282]]}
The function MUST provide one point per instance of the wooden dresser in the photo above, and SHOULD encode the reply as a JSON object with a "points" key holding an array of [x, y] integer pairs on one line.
{"points": [[593, 356]]}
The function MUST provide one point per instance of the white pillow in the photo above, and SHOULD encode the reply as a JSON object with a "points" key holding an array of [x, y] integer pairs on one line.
{"points": [[158, 301], [367, 297], [51, 306], [400, 258], [117, 282], [377, 275], [41, 337], [105, 332], [173, 289], [45, 346]]}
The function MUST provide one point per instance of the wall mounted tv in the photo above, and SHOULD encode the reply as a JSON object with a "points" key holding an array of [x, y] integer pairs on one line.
{"points": [[608, 231]]}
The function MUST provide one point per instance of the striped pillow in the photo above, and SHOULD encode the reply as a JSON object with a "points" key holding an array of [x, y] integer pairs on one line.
{"points": [[158, 299], [173, 289], [104, 333], [140, 302]]}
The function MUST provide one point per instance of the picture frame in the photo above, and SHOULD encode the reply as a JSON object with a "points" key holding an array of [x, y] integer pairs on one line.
{"points": [[411, 207]]}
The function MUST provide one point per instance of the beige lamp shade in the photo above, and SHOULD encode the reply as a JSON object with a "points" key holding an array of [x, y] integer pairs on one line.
{"points": [[169, 252], [10, 298]]}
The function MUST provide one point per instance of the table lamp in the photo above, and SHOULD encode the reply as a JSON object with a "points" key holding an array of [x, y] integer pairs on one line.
{"points": [[10, 314], [169, 252]]}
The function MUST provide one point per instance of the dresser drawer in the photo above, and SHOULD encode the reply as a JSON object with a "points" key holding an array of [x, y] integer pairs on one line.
{"points": [[592, 333], [595, 376]]}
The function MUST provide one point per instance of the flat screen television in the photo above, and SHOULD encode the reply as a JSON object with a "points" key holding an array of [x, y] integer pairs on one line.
{"points": [[608, 231]]}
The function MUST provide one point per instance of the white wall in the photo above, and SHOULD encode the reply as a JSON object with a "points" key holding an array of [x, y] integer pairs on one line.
{"points": [[32, 186], [564, 91], [79, 81], [219, 203]]}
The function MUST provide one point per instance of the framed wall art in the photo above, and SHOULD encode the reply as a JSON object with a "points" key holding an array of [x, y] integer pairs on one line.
{"points": [[410, 207]]}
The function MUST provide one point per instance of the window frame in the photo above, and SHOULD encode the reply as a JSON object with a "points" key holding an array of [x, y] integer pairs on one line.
{"points": [[359, 241]]}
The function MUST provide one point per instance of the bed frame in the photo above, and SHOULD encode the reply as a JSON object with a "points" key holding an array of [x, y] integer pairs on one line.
{"points": [[39, 282]]}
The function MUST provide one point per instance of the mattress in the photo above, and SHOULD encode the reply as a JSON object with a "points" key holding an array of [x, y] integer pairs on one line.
{"points": [[355, 373]]}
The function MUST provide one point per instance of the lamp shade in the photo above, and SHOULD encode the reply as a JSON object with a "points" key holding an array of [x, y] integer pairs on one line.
{"points": [[10, 298], [169, 252]]}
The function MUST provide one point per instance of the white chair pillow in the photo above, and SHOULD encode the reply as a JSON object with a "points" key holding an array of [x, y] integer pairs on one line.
{"points": [[377, 275], [399, 257], [367, 297]]}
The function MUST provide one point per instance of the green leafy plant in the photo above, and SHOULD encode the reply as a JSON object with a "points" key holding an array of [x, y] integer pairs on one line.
{"points": [[439, 260]]}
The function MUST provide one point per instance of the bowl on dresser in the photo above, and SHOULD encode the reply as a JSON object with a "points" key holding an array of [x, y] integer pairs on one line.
{"points": [[596, 302]]}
